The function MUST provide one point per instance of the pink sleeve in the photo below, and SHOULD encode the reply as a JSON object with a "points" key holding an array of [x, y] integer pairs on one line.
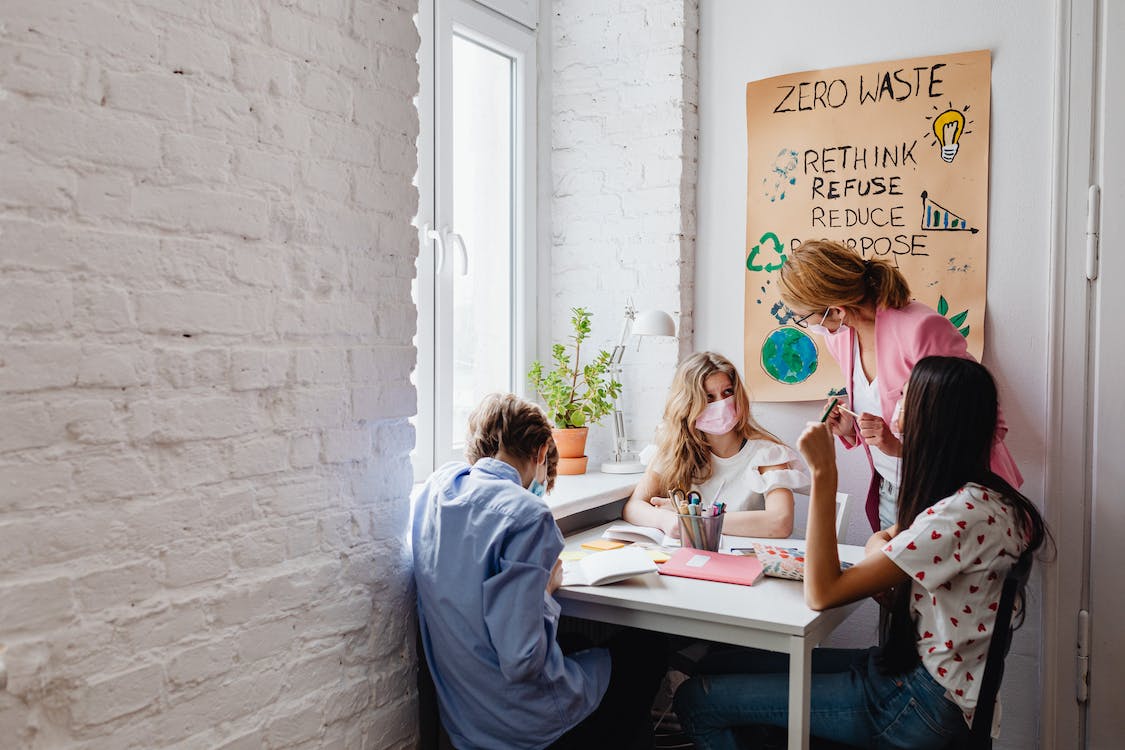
{"points": [[936, 336]]}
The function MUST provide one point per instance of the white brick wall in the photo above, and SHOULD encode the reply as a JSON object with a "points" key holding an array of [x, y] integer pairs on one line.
{"points": [[205, 345], [624, 133]]}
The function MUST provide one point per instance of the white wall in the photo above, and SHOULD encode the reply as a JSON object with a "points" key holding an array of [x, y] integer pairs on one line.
{"points": [[623, 166], [205, 343], [741, 42]]}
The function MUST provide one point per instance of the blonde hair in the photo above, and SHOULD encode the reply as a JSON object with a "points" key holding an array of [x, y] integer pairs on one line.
{"points": [[504, 421], [684, 455], [822, 273]]}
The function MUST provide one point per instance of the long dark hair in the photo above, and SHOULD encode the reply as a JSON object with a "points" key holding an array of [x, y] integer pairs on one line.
{"points": [[949, 424]]}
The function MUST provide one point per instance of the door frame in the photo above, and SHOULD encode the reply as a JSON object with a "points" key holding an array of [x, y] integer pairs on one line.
{"points": [[1067, 498]]}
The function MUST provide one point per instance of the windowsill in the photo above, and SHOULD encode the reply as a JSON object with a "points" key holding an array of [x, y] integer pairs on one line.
{"points": [[576, 494], [582, 492]]}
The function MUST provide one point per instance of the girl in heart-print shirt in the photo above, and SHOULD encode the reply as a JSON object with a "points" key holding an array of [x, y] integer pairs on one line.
{"points": [[956, 554], [960, 528]]}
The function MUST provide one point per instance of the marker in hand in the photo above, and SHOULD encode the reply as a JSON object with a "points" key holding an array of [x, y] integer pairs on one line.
{"points": [[831, 406]]}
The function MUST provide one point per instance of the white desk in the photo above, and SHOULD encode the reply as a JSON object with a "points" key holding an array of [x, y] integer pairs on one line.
{"points": [[576, 493], [769, 615]]}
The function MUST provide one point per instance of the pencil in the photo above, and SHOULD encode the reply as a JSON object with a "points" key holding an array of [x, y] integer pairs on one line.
{"points": [[846, 410], [831, 406]]}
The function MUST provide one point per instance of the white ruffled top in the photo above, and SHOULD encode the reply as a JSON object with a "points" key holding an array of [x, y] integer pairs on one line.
{"points": [[738, 482]]}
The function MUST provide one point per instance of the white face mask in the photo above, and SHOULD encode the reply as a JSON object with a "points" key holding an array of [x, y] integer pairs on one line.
{"points": [[719, 417], [820, 329]]}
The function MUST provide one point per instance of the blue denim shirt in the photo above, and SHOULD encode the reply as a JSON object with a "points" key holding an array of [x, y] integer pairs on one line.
{"points": [[483, 551]]}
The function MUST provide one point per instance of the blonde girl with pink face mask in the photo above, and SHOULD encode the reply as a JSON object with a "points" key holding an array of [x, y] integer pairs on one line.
{"points": [[709, 442]]}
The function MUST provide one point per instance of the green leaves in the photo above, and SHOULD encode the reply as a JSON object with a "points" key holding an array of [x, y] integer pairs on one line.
{"points": [[575, 395], [957, 320]]}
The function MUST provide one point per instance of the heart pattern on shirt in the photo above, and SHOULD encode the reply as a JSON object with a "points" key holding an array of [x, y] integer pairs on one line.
{"points": [[941, 556]]}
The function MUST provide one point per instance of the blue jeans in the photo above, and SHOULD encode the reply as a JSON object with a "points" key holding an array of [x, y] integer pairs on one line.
{"points": [[851, 703], [888, 503]]}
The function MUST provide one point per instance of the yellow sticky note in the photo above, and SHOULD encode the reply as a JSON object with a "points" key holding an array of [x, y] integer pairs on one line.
{"points": [[568, 555], [658, 556], [602, 544]]}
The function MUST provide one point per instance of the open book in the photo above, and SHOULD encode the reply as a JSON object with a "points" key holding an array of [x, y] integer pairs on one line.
{"points": [[627, 532], [607, 567]]}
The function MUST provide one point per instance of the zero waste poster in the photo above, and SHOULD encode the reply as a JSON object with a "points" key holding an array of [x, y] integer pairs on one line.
{"points": [[889, 158]]}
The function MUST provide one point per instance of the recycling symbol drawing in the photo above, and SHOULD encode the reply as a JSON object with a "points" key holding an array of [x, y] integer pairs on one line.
{"points": [[777, 247]]}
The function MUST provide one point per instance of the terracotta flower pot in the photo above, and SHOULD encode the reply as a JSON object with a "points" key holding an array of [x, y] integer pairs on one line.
{"points": [[571, 443]]}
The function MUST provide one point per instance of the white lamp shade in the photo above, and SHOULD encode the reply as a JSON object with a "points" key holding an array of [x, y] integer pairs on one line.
{"points": [[653, 323]]}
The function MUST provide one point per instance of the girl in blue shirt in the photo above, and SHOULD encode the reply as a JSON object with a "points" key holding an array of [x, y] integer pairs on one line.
{"points": [[486, 564]]}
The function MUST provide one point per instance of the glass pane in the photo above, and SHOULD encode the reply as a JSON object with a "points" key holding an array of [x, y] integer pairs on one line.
{"points": [[482, 215]]}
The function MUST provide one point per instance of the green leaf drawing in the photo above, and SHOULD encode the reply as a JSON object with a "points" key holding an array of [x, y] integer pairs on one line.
{"points": [[965, 332], [959, 318], [942, 305]]}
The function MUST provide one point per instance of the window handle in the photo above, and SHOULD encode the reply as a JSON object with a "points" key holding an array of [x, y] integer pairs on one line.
{"points": [[439, 243], [460, 242]]}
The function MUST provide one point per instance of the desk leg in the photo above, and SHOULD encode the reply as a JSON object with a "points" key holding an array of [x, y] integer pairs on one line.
{"points": [[800, 673]]}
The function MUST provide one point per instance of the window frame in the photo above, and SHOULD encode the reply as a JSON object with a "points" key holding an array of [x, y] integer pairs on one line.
{"points": [[438, 22]]}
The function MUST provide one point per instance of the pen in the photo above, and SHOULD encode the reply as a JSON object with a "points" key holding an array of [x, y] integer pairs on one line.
{"points": [[828, 411], [846, 410]]}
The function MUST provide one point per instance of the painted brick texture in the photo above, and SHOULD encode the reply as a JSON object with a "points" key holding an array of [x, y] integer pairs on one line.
{"points": [[624, 158], [205, 349]]}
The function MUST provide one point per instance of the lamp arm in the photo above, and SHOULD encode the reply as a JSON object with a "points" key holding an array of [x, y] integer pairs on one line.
{"points": [[620, 442]]}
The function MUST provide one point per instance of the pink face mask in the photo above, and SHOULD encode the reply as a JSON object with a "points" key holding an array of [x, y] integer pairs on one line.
{"points": [[719, 417]]}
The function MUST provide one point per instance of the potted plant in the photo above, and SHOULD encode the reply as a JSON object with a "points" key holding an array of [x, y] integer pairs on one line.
{"points": [[576, 396]]}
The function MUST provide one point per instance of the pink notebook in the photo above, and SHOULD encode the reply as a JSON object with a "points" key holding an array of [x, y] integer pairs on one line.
{"points": [[712, 566]]}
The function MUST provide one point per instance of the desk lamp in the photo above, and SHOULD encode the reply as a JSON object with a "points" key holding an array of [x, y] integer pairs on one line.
{"points": [[644, 323]]}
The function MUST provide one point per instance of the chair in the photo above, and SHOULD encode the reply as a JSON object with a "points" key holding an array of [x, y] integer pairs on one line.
{"points": [[801, 517], [980, 734], [431, 734]]}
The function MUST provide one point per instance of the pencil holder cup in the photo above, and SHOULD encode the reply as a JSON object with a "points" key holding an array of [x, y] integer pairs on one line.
{"points": [[701, 532]]}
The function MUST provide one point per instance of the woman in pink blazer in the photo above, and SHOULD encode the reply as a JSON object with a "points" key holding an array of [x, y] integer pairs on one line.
{"points": [[854, 303]]}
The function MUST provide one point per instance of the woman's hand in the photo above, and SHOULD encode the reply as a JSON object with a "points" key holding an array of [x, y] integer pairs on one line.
{"points": [[877, 433], [555, 580], [817, 447], [876, 543], [841, 424], [671, 525], [664, 503]]}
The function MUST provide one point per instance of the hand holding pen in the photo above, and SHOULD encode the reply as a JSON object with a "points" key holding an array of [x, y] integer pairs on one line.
{"points": [[877, 433], [874, 430], [816, 445], [840, 419]]}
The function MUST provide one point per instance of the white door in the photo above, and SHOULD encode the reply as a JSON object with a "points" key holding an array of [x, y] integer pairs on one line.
{"points": [[1105, 719]]}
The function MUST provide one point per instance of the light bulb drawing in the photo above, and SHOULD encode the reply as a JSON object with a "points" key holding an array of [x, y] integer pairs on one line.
{"points": [[948, 127]]}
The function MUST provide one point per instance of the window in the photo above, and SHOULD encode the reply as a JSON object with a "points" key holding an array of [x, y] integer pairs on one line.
{"points": [[476, 267]]}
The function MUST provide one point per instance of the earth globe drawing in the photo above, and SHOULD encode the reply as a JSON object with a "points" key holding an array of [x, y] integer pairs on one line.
{"points": [[789, 356]]}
